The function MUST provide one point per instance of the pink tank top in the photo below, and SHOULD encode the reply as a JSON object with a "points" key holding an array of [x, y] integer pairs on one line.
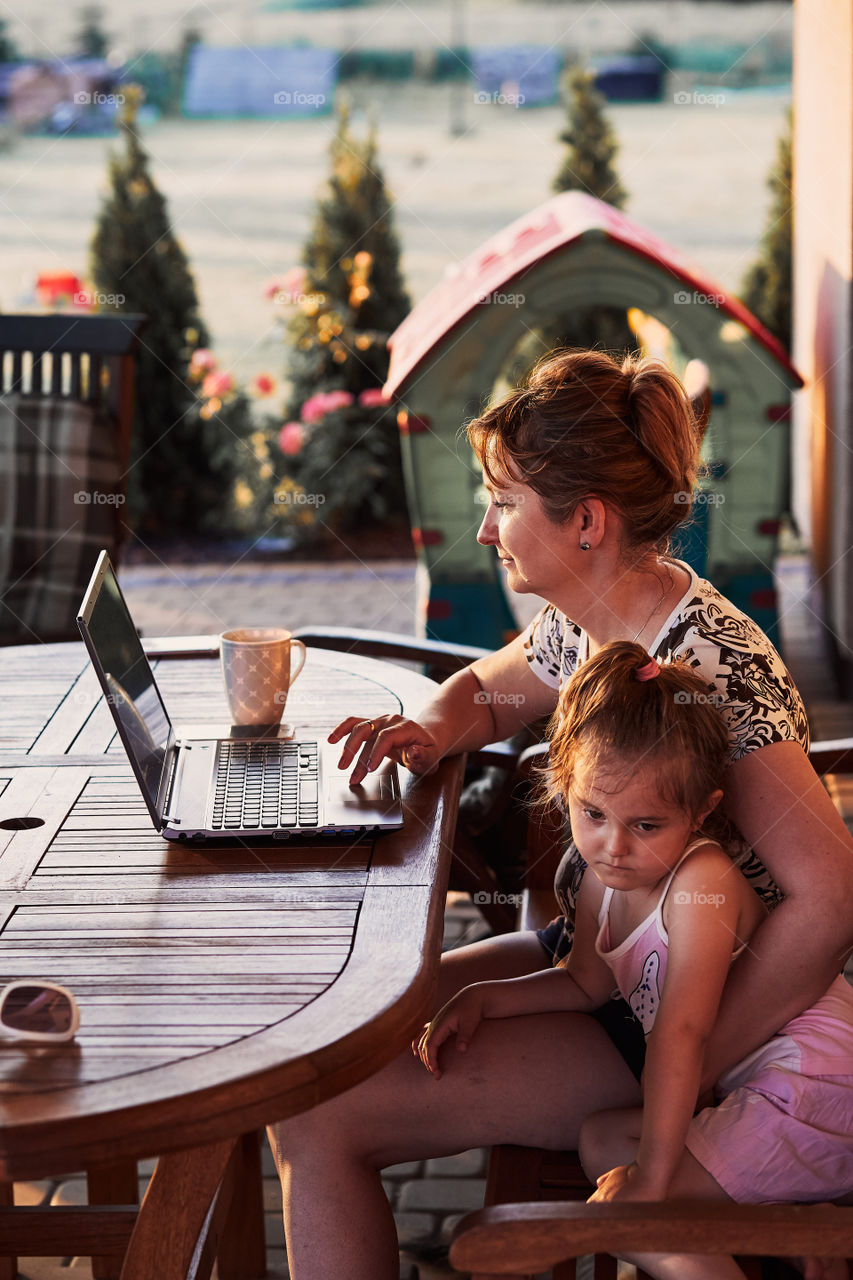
{"points": [[639, 963]]}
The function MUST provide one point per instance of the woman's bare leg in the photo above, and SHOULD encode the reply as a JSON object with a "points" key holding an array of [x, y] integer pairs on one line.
{"points": [[527, 1080]]}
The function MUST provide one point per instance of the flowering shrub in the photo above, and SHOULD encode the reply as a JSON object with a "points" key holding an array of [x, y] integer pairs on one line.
{"points": [[245, 451], [339, 440], [342, 441]]}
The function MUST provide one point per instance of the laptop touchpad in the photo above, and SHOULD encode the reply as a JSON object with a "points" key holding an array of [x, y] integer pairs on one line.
{"points": [[377, 797]]}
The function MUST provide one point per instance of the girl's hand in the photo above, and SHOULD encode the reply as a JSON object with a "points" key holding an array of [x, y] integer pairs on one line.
{"points": [[389, 737], [460, 1017], [625, 1183]]}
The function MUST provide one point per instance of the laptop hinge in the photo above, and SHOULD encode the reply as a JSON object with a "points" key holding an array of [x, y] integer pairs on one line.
{"points": [[172, 819]]}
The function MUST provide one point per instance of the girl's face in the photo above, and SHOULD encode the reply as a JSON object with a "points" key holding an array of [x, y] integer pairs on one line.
{"points": [[537, 554], [626, 832]]}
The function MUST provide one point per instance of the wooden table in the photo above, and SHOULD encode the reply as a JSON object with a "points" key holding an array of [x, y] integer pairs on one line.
{"points": [[219, 988]]}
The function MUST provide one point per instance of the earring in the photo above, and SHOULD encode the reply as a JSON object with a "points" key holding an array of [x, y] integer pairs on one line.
{"points": [[584, 546]]}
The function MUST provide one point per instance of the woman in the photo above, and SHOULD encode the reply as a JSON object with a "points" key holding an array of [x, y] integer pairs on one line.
{"points": [[589, 469]]}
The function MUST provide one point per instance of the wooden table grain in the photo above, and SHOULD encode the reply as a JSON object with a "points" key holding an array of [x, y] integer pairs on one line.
{"points": [[221, 987]]}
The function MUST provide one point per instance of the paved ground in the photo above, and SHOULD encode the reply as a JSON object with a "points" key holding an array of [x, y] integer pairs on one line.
{"points": [[168, 599]]}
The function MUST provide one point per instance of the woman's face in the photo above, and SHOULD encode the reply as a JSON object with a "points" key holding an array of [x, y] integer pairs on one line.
{"points": [[538, 555]]}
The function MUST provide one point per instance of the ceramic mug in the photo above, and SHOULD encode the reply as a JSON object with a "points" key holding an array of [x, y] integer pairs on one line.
{"points": [[257, 670]]}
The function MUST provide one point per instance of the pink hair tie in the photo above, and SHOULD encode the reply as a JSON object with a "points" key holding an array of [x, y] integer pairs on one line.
{"points": [[647, 672]]}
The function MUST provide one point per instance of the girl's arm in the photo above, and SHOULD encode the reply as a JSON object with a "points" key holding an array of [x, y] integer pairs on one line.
{"points": [[781, 808], [580, 986], [486, 702], [703, 909]]}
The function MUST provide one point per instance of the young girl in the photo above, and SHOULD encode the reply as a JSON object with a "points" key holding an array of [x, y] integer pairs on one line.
{"points": [[638, 754]]}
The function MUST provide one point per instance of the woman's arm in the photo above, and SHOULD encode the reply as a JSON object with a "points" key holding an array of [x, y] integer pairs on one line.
{"points": [[485, 702], [781, 808], [702, 913]]}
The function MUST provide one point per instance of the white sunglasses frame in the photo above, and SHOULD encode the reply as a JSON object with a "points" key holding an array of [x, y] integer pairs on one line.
{"points": [[46, 1037]]}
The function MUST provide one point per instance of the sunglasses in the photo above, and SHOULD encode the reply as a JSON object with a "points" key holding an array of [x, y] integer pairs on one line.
{"points": [[38, 1011]]}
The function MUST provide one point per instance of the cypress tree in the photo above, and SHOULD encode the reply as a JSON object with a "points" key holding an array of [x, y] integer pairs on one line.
{"points": [[182, 465], [588, 165], [766, 287], [591, 146], [351, 300], [8, 49], [92, 40]]}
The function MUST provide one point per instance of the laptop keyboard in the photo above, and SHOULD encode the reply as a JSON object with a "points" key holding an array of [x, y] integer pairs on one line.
{"points": [[266, 785]]}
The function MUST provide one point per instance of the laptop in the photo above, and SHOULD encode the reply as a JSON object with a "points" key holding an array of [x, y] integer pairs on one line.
{"points": [[200, 788]]}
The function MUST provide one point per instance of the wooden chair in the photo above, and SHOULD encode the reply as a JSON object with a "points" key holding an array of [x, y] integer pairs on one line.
{"points": [[66, 413], [519, 1240]]}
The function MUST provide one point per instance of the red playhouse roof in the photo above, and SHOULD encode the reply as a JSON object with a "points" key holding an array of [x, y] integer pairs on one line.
{"points": [[529, 240]]}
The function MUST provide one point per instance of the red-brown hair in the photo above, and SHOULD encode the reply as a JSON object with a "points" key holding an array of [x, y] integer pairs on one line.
{"points": [[584, 425], [671, 722]]}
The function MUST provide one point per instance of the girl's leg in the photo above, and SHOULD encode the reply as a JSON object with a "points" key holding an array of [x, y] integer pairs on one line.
{"points": [[529, 1080], [611, 1138]]}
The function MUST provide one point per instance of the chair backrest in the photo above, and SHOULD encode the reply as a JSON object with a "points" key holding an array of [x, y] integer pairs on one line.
{"points": [[66, 416]]}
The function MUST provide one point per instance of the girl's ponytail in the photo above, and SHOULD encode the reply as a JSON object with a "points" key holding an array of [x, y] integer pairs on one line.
{"points": [[622, 708]]}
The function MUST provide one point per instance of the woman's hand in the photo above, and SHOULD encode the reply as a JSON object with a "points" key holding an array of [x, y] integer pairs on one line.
{"points": [[460, 1017], [625, 1183], [389, 737]]}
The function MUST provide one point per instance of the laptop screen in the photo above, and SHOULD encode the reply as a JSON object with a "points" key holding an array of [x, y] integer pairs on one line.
{"points": [[126, 678]]}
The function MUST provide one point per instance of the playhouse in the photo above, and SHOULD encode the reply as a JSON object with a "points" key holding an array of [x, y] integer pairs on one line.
{"points": [[448, 355]]}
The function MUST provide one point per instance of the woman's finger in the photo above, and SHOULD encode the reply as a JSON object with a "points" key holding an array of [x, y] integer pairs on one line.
{"points": [[393, 741], [359, 731], [344, 727]]}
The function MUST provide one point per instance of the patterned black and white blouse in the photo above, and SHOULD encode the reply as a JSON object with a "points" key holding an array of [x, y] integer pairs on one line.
{"points": [[757, 696]]}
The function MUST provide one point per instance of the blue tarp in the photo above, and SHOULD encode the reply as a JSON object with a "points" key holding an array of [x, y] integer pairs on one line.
{"points": [[516, 75], [629, 78], [288, 81]]}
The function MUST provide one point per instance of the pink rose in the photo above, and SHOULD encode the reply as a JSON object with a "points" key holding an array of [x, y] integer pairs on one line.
{"points": [[202, 361], [338, 400], [263, 385], [217, 384], [291, 438], [323, 402], [372, 398], [314, 408], [287, 288]]}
